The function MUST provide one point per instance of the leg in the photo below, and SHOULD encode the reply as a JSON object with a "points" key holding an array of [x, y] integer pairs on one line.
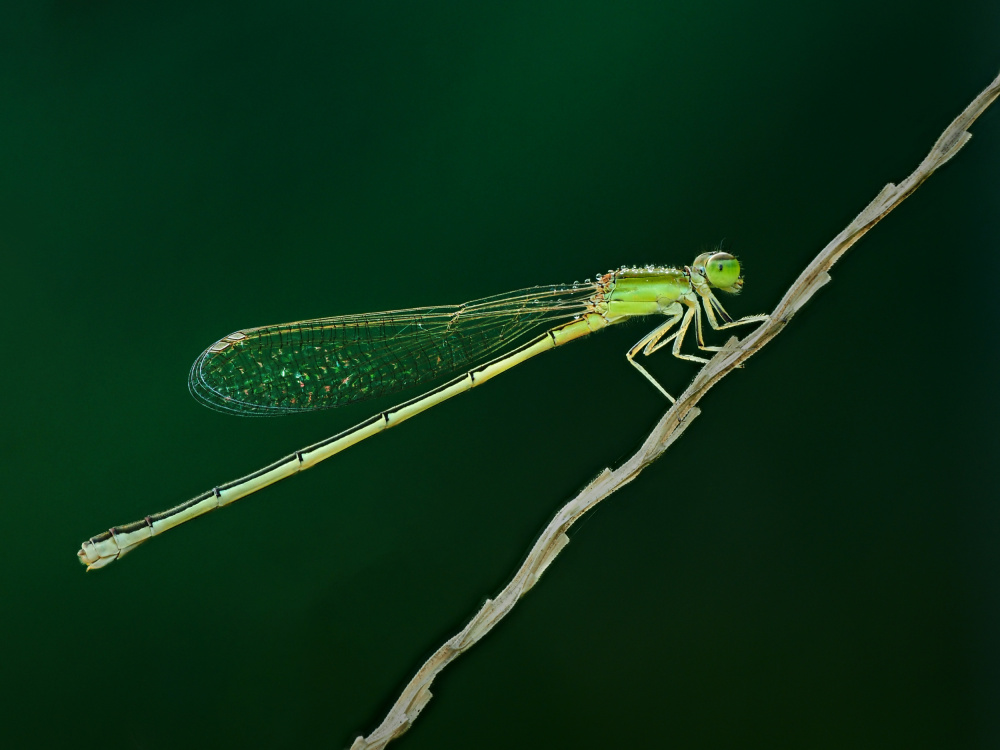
{"points": [[693, 310], [657, 339], [711, 302], [652, 341], [701, 338], [656, 342]]}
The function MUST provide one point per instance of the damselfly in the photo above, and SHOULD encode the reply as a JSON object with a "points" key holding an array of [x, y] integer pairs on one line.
{"points": [[328, 362]]}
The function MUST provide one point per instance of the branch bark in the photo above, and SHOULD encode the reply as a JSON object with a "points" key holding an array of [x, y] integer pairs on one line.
{"points": [[553, 539]]}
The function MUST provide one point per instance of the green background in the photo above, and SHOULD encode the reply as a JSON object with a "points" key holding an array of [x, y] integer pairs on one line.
{"points": [[815, 564]]}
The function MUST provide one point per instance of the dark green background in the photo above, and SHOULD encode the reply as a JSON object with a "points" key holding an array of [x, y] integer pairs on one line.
{"points": [[815, 564]]}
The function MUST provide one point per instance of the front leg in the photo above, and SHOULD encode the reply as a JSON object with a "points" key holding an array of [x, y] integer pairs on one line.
{"points": [[711, 304]]}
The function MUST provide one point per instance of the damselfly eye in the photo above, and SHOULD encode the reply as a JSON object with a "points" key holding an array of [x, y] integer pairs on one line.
{"points": [[722, 270]]}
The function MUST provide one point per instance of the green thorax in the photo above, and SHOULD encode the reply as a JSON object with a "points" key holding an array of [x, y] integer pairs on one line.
{"points": [[643, 291]]}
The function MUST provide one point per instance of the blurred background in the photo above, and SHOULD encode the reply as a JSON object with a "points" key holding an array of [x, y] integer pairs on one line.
{"points": [[815, 564]]}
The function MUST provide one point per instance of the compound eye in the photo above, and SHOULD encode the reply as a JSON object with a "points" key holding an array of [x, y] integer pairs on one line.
{"points": [[722, 270]]}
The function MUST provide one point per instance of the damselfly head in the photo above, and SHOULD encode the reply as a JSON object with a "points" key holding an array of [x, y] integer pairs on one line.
{"points": [[720, 270]]}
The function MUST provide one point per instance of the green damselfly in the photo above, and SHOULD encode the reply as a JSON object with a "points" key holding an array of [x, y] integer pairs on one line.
{"points": [[329, 362]]}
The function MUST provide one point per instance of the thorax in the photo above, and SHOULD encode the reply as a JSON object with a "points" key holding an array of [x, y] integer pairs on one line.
{"points": [[632, 292]]}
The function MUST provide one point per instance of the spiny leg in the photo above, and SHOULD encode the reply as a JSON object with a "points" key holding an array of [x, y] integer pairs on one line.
{"points": [[692, 311], [711, 302], [708, 302], [657, 339], [711, 318], [701, 338], [650, 343]]}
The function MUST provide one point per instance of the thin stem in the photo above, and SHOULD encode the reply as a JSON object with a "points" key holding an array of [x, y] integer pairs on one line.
{"points": [[417, 692]]}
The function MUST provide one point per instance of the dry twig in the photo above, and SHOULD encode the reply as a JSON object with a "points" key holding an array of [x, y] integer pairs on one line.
{"points": [[417, 693]]}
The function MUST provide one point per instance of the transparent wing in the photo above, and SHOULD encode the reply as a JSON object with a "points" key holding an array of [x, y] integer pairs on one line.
{"points": [[329, 362]]}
